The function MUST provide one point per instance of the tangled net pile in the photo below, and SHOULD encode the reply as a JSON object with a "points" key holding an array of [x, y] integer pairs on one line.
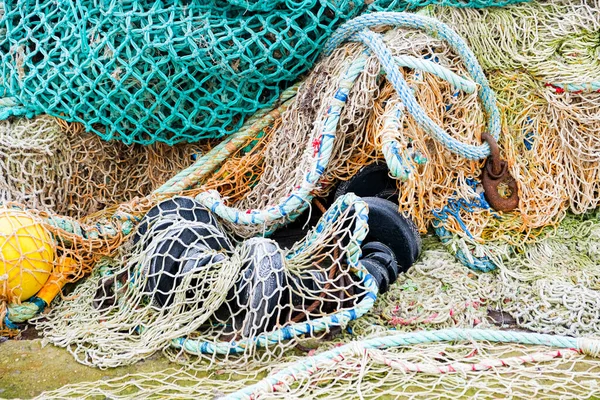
{"points": [[50, 165], [544, 64], [152, 296], [438, 292], [147, 296]]}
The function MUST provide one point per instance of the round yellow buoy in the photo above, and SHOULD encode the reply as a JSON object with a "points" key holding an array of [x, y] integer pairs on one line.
{"points": [[26, 255]]}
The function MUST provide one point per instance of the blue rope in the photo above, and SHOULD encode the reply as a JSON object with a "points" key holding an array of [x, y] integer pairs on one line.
{"points": [[356, 30], [282, 378], [452, 210]]}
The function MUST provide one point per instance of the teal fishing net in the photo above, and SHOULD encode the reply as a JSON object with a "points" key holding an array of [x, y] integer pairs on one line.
{"points": [[147, 71]]}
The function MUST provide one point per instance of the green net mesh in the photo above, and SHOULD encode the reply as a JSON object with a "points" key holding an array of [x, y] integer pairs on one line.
{"points": [[159, 71], [142, 72]]}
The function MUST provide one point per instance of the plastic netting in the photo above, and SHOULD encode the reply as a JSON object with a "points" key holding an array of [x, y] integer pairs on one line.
{"points": [[401, 5], [182, 283], [156, 71], [438, 292], [543, 63], [438, 173], [480, 369], [50, 165], [556, 42], [142, 72], [285, 170], [137, 294], [549, 286]]}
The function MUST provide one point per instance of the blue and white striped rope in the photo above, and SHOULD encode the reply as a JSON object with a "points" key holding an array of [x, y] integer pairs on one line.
{"points": [[300, 197], [395, 158], [453, 242]]}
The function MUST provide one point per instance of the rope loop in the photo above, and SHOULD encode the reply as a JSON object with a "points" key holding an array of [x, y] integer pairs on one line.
{"points": [[357, 30]]}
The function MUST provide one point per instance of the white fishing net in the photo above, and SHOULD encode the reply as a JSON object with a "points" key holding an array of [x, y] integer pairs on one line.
{"points": [[181, 284], [50, 165]]}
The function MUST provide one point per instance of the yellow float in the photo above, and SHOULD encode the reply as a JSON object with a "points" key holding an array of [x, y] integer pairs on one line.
{"points": [[26, 255]]}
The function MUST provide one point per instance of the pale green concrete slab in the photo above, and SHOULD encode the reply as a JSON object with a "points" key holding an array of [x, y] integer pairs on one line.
{"points": [[27, 369]]}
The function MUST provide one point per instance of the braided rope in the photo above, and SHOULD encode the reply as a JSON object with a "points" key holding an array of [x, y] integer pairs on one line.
{"points": [[593, 86], [291, 206], [355, 30], [438, 70], [484, 365], [456, 246], [282, 378], [300, 197], [18, 313], [398, 164]]}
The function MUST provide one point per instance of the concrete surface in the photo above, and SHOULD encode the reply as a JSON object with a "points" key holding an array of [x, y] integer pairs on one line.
{"points": [[27, 369]]}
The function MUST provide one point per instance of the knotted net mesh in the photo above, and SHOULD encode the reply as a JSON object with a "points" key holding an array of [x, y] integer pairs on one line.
{"points": [[182, 285], [534, 283], [141, 72], [159, 71], [50, 165], [438, 292], [380, 373], [543, 63]]}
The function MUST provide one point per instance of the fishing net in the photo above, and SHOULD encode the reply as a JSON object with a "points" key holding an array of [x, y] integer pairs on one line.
{"points": [[151, 293], [136, 263], [181, 282], [402, 5], [433, 371], [437, 292], [316, 141], [549, 286], [143, 72], [50, 165], [554, 41], [357, 139], [549, 101]]}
